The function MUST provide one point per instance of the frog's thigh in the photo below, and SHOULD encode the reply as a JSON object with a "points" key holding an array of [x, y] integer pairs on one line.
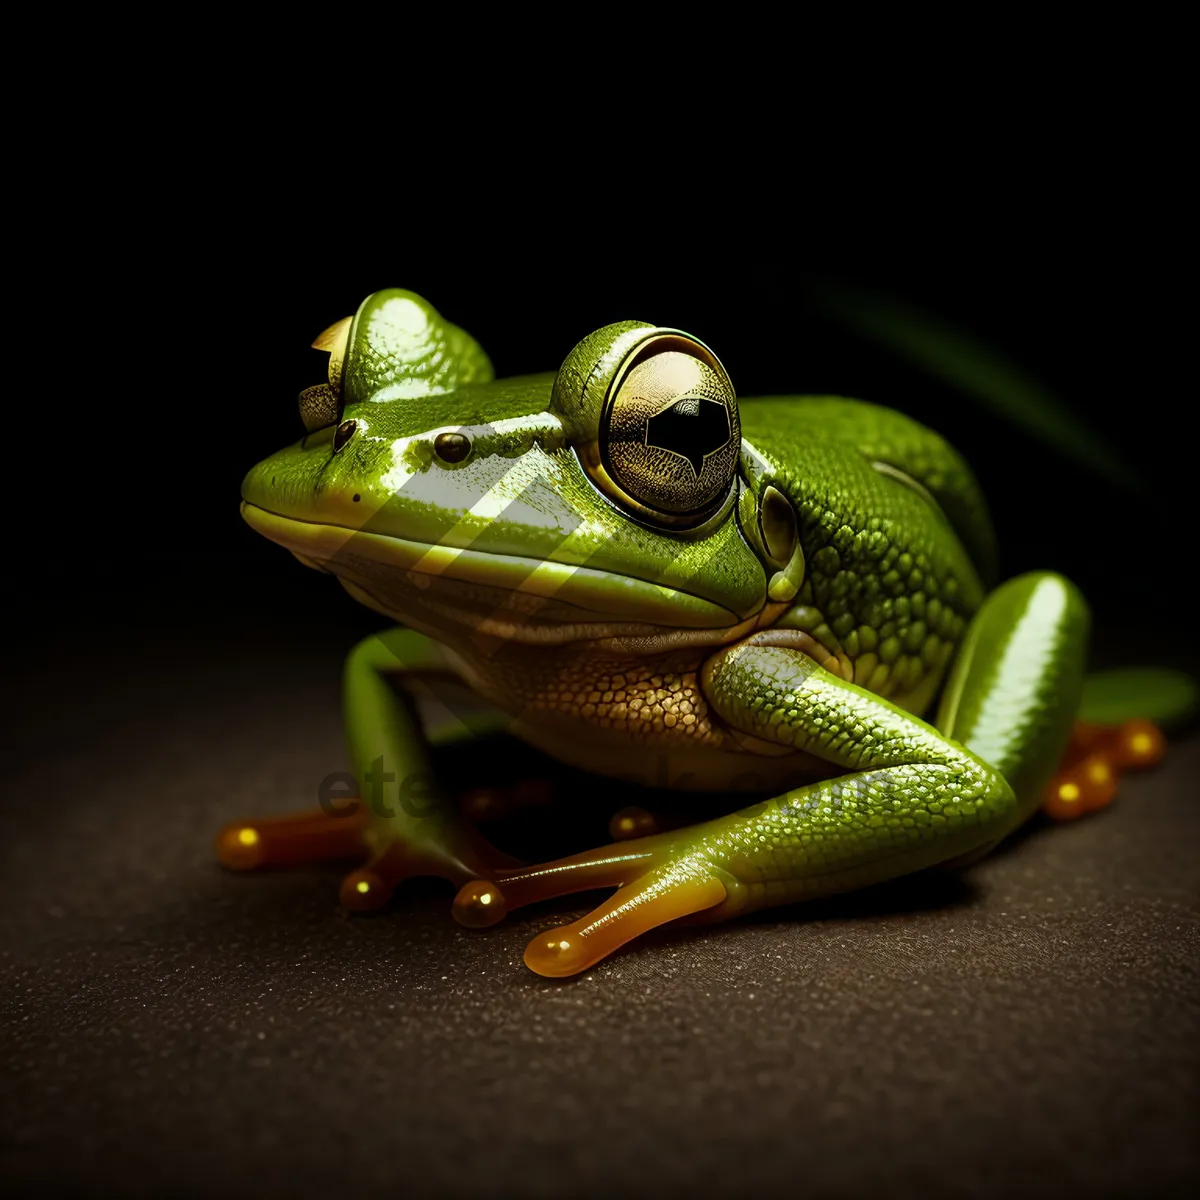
{"points": [[1015, 686], [910, 799]]}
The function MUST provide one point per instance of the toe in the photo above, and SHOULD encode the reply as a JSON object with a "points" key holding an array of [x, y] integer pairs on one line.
{"points": [[292, 840], [675, 890], [1139, 744], [479, 904], [364, 890]]}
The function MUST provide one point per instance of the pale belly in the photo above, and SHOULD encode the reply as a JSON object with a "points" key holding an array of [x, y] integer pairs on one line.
{"points": [[643, 721]]}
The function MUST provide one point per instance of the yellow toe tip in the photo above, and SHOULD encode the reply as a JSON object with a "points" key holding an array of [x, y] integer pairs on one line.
{"points": [[556, 954], [1142, 744], [364, 890], [479, 904], [239, 847]]}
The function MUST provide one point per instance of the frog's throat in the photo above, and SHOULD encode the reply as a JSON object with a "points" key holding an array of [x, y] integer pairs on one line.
{"points": [[607, 603]]}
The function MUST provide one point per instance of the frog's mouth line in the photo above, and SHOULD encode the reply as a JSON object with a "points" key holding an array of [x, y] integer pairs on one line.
{"points": [[607, 604]]}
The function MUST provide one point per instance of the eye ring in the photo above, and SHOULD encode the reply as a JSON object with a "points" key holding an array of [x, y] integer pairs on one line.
{"points": [[452, 447], [345, 431], [669, 434]]}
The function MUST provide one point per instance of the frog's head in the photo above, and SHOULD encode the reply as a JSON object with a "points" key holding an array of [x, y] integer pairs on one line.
{"points": [[609, 500]]}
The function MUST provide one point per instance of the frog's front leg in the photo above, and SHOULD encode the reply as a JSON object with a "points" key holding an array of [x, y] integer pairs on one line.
{"points": [[911, 797], [402, 823]]}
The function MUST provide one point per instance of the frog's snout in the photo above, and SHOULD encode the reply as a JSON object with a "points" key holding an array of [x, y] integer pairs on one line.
{"points": [[281, 484], [258, 485], [313, 484]]}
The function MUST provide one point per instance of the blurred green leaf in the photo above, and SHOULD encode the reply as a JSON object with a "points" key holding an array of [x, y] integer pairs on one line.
{"points": [[974, 368], [1168, 698]]}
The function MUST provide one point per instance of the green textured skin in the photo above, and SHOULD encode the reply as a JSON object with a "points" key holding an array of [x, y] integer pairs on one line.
{"points": [[401, 347], [888, 575], [582, 380], [912, 795], [893, 559], [910, 798], [383, 736], [883, 435], [1018, 681]]}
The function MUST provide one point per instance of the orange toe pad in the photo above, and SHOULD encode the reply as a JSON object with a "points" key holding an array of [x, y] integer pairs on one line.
{"points": [[1097, 756]]}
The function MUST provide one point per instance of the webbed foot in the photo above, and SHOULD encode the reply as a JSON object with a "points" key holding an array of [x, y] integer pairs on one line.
{"points": [[1096, 758], [322, 836], [657, 880]]}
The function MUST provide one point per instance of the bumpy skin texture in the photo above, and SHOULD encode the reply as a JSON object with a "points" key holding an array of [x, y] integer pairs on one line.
{"points": [[888, 580], [909, 797], [882, 435], [400, 347], [787, 642]]}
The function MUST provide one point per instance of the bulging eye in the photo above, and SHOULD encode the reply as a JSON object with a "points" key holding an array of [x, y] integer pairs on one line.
{"points": [[669, 431]]}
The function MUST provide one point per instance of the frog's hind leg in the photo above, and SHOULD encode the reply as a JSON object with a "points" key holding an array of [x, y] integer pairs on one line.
{"points": [[1015, 687], [912, 797]]}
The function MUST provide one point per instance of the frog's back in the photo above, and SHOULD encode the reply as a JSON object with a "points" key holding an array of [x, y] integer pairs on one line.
{"points": [[881, 436], [896, 537]]}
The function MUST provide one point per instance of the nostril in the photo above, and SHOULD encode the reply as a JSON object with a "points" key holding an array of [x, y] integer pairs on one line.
{"points": [[345, 431]]}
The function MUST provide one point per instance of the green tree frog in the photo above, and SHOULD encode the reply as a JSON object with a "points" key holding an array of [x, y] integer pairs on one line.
{"points": [[789, 597]]}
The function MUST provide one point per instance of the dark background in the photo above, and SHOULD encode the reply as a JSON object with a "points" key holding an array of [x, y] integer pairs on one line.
{"points": [[167, 1026], [181, 352]]}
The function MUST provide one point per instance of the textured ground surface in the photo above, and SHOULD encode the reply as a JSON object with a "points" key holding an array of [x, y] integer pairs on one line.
{"points": [[1030, 1027]]}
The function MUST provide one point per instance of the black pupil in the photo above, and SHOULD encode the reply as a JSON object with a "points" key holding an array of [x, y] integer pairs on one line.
{"points": [[344, 433], [692, 427], [452, 447]]}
